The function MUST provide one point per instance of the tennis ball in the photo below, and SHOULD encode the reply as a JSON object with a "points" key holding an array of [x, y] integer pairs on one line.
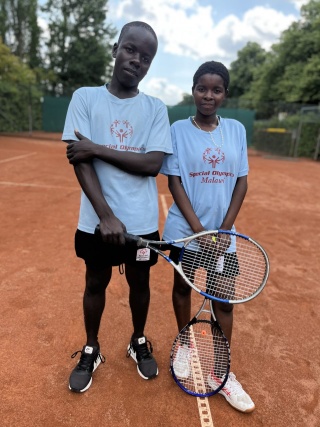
{"points": [[214, 239]]}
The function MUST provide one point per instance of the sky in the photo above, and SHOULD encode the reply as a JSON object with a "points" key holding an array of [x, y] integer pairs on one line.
{"points": [[191, 32]]}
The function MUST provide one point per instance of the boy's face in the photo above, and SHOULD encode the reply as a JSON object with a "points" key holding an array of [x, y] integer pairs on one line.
{"points": [[134, 55]]}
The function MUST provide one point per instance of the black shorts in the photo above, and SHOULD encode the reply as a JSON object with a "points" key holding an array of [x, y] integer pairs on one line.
{"points": [[231, 260], [99, 255]]}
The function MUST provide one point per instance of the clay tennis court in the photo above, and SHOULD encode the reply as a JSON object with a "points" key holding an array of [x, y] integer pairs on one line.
{"points": [[275, 348]]}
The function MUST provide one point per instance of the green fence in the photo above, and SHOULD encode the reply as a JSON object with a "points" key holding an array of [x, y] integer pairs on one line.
{"points": [[246, 117], [54, 112], [29, 108]]}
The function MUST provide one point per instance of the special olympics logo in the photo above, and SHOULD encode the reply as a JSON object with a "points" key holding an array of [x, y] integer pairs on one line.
{"points": [[213, 156], [121, 129], [144, 251]]}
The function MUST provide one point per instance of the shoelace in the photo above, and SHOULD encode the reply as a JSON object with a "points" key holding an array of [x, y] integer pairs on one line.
{"points": [[143, 350], [86, 360], [233, 384]]}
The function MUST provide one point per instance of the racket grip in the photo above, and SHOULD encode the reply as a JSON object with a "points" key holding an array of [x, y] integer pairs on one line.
{"points": [[130, 238]]}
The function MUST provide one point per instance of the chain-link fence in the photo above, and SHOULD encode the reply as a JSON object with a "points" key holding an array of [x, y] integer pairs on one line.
{"points": [[296, 135]]}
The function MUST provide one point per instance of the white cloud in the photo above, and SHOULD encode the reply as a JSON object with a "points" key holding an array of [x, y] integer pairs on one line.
{"points": [[160, 88], [299, 3], [185, 28], [190, 33], [260, 24], [181, 26]]}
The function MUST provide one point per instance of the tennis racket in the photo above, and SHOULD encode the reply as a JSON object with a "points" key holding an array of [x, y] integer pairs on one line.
{"points": [[221, 265], [200, 355]]}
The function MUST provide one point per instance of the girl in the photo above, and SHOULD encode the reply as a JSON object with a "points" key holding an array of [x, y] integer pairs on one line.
{"points": [[207, 177]]}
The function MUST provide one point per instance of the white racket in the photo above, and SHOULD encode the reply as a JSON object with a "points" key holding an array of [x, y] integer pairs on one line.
{"points": [[231, 267]]}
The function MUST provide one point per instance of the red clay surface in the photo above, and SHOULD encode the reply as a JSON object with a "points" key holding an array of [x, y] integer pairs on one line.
{"points": [[275, 348]]}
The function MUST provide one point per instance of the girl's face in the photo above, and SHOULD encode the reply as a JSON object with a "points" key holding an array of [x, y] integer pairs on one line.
{"points": [[209, 93]]}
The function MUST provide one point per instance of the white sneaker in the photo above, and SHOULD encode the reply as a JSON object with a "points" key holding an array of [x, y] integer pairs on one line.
{"points": [[181, 363], [233, 392]]}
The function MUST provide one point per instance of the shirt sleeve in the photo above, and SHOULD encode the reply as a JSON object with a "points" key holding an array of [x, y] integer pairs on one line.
{"points": [[159, 137], [170, 165], [77, 117]]}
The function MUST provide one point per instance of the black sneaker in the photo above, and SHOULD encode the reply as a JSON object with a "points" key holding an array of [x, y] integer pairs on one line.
{"points": [[140, 350], [81, 377]]}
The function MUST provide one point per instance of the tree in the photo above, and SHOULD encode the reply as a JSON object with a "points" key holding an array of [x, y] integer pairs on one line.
{"points": [[291, 70], [243, 68], [33, 53], [187, 99], [17, 92], [298, 53], [79, 47], [20, 31], [12, 69], [310, 81]]}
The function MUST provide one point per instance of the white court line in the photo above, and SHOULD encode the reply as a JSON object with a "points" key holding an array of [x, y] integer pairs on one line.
{"points": [[11, 159], [204, 412], [202, 402], [24, 184]]}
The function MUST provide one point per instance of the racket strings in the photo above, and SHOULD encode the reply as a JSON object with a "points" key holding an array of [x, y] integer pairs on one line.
{"points": [[206, 353], [229, 276]]}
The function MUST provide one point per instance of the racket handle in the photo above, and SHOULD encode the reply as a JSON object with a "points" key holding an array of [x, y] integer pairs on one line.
{"points": [[130, 238]]}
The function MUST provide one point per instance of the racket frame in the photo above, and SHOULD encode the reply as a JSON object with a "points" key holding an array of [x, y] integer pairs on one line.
{"points": [[192, 322], [140, 242]]}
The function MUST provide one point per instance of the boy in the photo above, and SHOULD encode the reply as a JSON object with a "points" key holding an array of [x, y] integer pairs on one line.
{"points": [[116, 169]]}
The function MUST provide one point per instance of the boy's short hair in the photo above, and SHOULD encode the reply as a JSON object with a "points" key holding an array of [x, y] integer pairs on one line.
{"points": [[140, 24]]}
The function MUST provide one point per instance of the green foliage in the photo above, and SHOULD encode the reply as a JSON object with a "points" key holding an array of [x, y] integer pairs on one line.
{"points": [[20, 31], [12, 69], [20, 98], [290, 73], [187, 99], [33, 53], [310, 80], [79, 46], [308, 138], [243, 68], [78, 52]]}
